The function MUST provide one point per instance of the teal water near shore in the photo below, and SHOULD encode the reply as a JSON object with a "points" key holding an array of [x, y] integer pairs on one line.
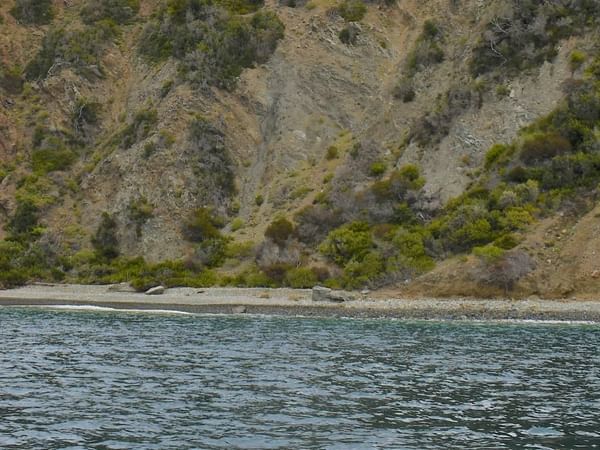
{"points": [[115, 380]]}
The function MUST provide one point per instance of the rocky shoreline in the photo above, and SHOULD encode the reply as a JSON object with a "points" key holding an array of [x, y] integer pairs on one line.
{"points": [[301, 302]]}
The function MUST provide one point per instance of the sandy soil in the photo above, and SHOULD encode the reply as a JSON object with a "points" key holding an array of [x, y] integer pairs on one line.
{"points": [[299, 302]]}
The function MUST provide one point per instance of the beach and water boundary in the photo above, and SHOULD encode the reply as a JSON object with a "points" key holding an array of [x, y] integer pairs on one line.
{"points": [[298, 302]]}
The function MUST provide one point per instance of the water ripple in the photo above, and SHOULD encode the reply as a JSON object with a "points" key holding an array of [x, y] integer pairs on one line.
{"points": [[109, 380]]}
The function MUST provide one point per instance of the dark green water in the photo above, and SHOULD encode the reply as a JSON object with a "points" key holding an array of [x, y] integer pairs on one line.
{"points": [[108, 380]]}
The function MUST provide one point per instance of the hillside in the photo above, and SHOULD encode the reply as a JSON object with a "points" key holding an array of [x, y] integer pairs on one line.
{"points": [[448, 147]]}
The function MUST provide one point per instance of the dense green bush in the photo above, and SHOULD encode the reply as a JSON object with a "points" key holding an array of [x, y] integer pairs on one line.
{"points": [[352, 10], [411, 251], [21, 262], [349, 34], [24, 221], [496, 154], [201, 225], [105, 240], [280, 230], [528, 34], [399, 184], [241, 6], [301, 277], [349, 242], [377, 169], [212, 44], [119, 11], [362, 271], [78, 48], [33, 12], [542, 146], [11, 79]]}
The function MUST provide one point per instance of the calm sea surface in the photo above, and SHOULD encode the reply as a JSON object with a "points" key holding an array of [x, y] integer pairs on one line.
{"points": [[114, 380]]}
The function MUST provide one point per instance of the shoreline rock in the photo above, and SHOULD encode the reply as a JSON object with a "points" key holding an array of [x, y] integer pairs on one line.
{"points": [[156, 290]]}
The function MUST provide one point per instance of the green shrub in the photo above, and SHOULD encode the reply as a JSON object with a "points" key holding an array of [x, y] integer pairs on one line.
{"points": [[349, 34], [21, 262], [576, 60], [24, 220], [363, 271], [253, 277], [399, 183], [502, 91], [467, 226], [495, 154], [506, 241], [140, 211], [212, 44], [332, 153], [352, 10], [489, 253], [242, 6], [237, 224], [411, 251], [33, 12], [541, 146], [527, 35], [105, 240], [280, 230], [120, 11], [301, 278], [352, 241], [211, 252], [11, 79], [47, 160], [377, 169], [405, 90], [78, 48], [259, 200], [239, 249], [202, 224]]}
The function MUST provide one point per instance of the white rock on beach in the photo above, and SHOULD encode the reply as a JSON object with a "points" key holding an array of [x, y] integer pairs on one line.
{"points": [[320, 294], [156, 290]]}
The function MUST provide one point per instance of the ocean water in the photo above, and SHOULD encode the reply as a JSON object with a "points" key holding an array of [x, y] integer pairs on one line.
{"points": [[114, 380]]}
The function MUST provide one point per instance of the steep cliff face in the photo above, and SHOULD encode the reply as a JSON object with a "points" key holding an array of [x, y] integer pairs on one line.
{"points": [[316, 120]]}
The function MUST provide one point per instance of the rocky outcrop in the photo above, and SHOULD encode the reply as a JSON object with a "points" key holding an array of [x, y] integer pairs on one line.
{"points": [[323, 294]]}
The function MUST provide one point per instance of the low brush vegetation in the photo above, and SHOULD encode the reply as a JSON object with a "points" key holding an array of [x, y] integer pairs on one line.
{"points": [[118, 11], [77, 48], [213, 41], [33, 12], [527, 34], [368, 233]]}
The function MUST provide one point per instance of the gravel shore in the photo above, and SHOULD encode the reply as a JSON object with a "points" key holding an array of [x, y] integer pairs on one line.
{"points": [[299, 302]]}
